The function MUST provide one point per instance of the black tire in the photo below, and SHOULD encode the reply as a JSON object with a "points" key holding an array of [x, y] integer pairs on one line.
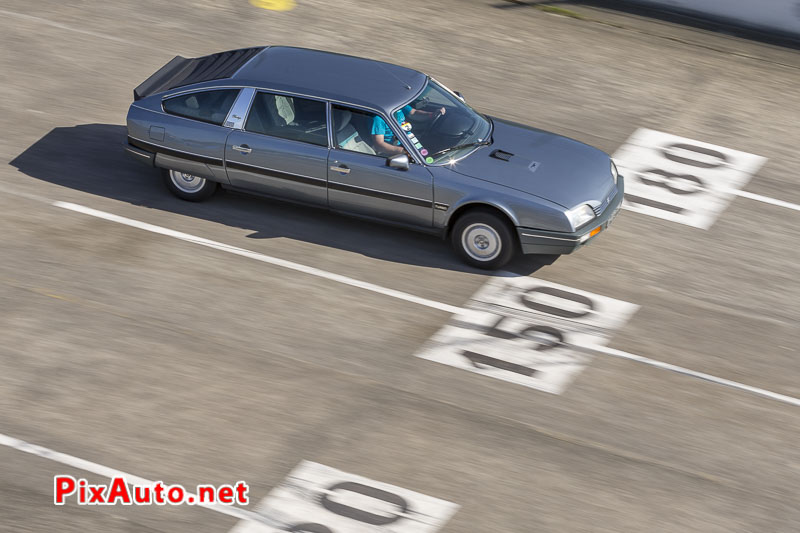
{"points": [[481, 227], [203, 189]]}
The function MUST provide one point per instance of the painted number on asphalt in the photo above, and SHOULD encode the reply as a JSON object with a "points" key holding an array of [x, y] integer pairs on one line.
{"points": [[315, 498], [679, 179], [527, 331]]}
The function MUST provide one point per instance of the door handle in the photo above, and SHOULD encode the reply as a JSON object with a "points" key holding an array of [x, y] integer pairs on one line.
{"points": [[343, 170], [243, 148]]}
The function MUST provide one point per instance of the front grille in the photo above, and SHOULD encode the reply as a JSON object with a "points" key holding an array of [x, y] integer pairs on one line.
{"points": [[609, 196]]}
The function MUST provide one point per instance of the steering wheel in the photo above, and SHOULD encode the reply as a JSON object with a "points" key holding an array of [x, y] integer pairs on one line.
{"points": [[435, 120]]}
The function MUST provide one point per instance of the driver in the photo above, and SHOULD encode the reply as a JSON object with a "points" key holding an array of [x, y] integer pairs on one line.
{"points": [[383, 136]]}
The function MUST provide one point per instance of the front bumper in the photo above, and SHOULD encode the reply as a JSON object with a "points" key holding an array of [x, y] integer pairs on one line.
{"points": [[536, 241]]}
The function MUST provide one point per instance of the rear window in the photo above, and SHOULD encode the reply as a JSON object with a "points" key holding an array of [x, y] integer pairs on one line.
{"points": [[205, 106]]}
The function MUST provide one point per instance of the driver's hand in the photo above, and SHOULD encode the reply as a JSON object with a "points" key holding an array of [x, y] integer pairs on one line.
{"points": [[442, 111]]}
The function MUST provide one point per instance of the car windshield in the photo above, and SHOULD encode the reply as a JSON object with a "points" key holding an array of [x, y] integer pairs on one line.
{"points": [[441, 126]]}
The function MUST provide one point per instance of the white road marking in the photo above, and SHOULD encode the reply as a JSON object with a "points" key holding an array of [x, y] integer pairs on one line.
{"points": [[765, 199], [700, 375], [105, 471], [54, 24], [679, 179], [395, 294], [259, 257], [318, 498], [524, 331]]}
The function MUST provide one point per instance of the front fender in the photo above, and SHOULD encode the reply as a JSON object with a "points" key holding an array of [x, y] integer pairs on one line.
{"points": [[453, 191], [467, 201]]}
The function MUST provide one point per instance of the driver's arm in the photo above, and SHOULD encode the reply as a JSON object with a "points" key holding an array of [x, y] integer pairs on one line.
{"points": [[384, 147], [427, 113]]}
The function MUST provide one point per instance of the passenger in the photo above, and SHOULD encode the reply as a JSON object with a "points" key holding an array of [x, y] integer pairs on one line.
{"points": [[383, 136]]}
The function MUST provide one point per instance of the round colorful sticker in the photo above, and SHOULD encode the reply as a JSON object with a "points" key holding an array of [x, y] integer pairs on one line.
{"points": [[429, 160], [406, 126], [423, 151]]}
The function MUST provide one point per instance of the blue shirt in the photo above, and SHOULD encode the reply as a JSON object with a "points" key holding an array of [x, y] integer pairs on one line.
{"points": [[380, 127]]}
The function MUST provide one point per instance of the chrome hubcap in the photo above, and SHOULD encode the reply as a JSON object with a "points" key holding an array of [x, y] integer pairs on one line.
{"points": [[187, 183], [481, 242]]}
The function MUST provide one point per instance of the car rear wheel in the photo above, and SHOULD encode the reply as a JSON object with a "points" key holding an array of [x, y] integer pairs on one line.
{"points": [[188, 186], [483, 239]]}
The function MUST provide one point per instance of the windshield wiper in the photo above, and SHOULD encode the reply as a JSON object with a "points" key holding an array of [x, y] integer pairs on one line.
{"points": [[460, 146]]}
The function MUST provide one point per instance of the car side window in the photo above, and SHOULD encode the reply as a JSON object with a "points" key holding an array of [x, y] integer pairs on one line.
{"points": [[288, 117], [352, 129], [206, 106]]}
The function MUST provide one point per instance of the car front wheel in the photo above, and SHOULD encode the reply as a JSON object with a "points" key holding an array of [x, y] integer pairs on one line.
{"points": [[483, 240], [188, 186]]}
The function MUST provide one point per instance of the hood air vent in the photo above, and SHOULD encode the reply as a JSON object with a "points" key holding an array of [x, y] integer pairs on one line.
{"points": [[501, 155]]}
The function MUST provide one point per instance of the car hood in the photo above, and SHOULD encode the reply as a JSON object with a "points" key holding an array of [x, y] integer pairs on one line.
{"points": [[543, 164]]}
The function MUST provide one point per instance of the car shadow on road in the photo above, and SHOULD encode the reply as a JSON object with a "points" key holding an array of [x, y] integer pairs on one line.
{"points": [[90, 158]]}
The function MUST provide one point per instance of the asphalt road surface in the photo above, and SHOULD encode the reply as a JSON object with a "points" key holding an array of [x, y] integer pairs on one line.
{"points": [[149, 354]]}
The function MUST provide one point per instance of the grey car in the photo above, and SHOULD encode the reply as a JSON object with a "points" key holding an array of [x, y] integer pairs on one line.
{"points": [[374, 140]]}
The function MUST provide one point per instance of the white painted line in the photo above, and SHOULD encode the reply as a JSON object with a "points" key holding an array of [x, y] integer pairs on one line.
{"points": [[765, 199], [105, 471], [61, 26], [687, 372], [396, 294], [260, 257]]}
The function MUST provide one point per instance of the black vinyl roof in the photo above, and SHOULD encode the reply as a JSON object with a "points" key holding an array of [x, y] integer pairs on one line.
{"points": [[180, 71], [332, 76]]}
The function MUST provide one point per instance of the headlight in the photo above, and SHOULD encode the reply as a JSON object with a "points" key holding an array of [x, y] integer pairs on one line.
{"points": [[614, 172], [580, 215]]}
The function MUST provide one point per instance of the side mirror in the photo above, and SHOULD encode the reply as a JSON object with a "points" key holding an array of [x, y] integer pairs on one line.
{"points": [[459, 95], [398, 161]]}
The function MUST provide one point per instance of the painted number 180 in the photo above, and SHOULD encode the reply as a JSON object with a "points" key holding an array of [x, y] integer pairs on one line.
{"points": [[680, 179]]}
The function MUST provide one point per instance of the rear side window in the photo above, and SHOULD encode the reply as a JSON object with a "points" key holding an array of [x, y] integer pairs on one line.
{"points": [[288, 117], [206, 106]]}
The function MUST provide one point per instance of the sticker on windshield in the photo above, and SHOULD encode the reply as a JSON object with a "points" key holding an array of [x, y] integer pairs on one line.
{"points": [[423, 152], [417, 146], [429, 160], [406, 126]]}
